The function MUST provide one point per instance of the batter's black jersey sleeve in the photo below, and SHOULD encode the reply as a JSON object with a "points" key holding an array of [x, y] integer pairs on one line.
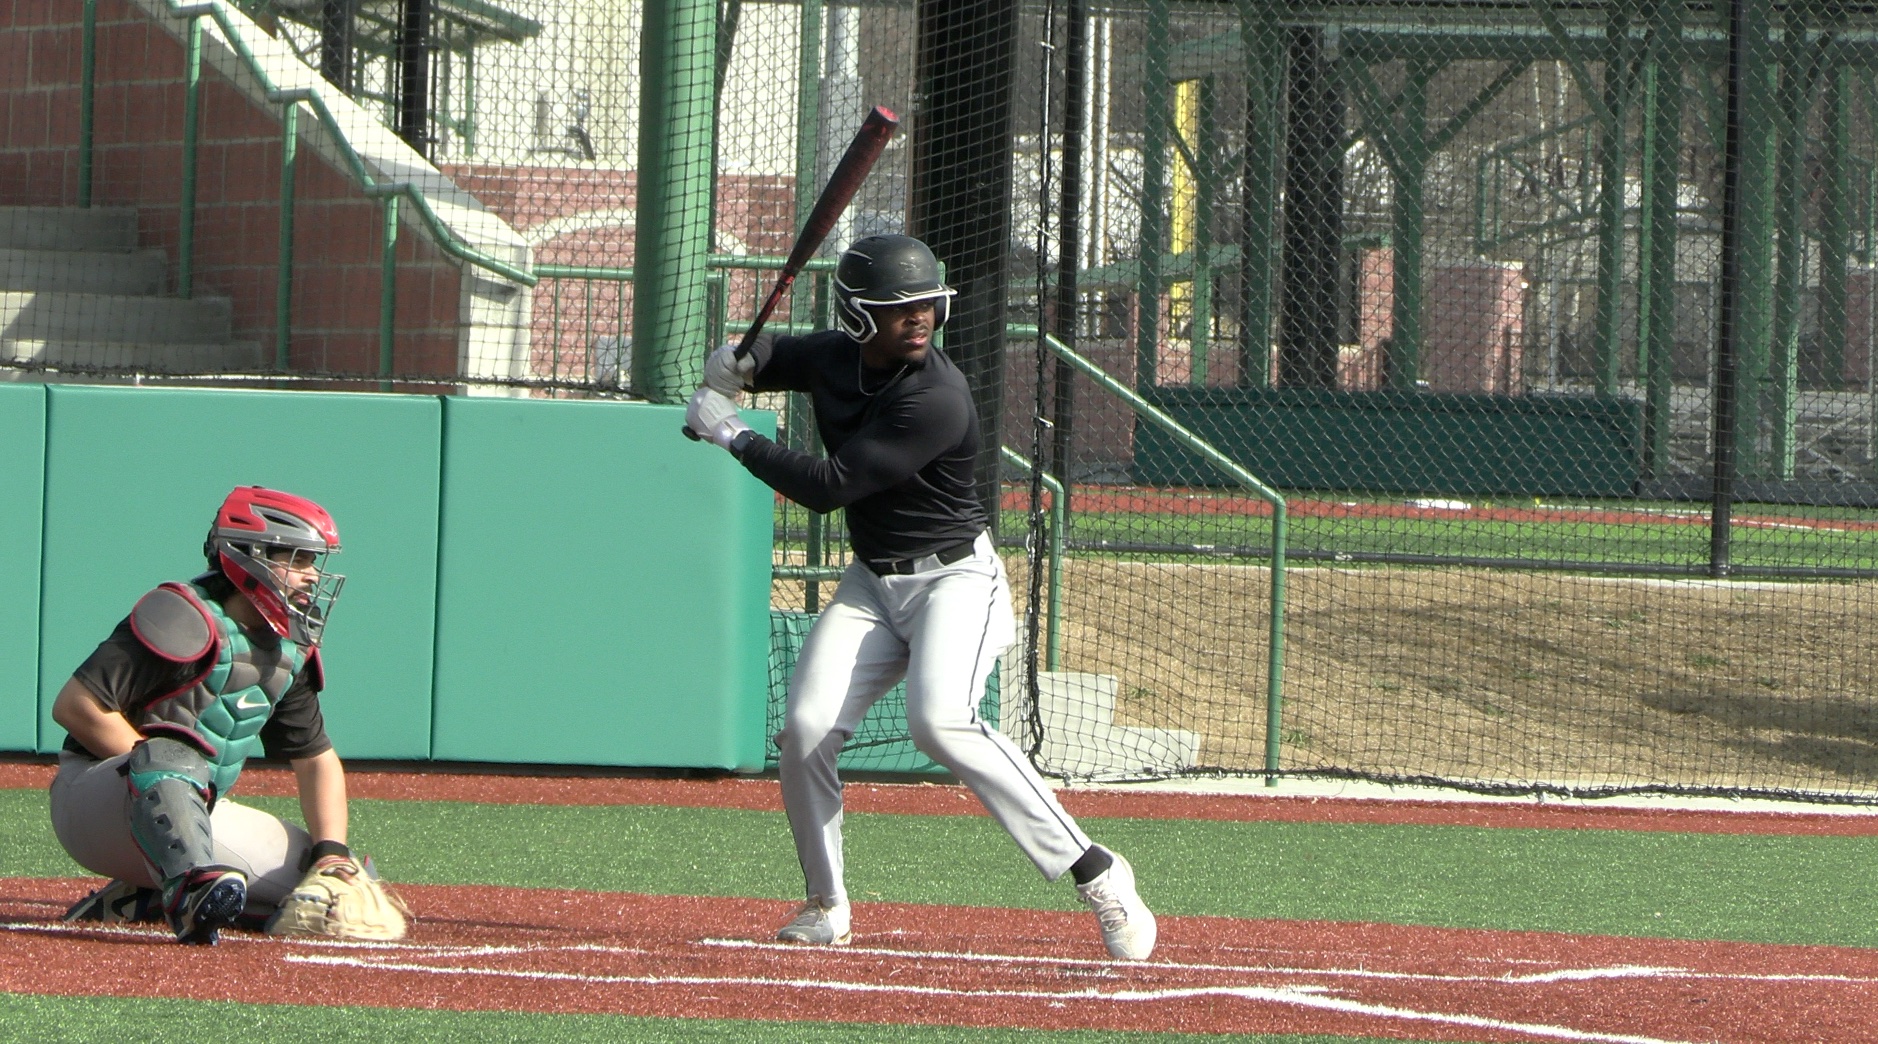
{"points": [[902, 446], [127, 677]]}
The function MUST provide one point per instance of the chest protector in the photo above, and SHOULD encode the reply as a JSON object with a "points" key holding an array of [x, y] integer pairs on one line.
{"points": [[221, 709]]}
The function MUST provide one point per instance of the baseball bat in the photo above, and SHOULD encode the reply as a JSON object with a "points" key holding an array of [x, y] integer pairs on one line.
{"points": [[846, 179]]}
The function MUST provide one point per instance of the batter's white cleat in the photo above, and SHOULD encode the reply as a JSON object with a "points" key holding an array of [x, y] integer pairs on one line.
{"points": [[1127, 924], [817, 924]]}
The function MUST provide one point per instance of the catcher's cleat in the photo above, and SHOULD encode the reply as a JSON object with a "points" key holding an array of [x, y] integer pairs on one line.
{"points": [[1128, 927], [205, 901], [816, 924], [118, 903]]}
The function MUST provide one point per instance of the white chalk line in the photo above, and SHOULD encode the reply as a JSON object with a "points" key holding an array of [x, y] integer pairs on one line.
{"points": [[392, 950], [1291, 996], [1621, 971], [393, 956]]}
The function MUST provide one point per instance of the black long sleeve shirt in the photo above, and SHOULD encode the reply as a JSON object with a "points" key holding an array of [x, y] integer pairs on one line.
{"points": [[902, 446]]}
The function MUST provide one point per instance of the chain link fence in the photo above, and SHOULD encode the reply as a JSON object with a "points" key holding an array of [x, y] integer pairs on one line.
{"points": [[1552, 323]]}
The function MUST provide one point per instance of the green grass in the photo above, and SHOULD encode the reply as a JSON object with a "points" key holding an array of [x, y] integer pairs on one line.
{"points": [[1770, 889], [1614, 543], [107, 1020]]}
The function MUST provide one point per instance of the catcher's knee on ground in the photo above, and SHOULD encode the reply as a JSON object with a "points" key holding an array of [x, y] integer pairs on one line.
{"points": [[169, 809]]}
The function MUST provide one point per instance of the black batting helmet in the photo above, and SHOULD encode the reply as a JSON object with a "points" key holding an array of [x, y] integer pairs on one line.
{"points": [[886, 270]]}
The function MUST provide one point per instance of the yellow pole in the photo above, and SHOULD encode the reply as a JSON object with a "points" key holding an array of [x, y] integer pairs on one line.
{"points": [[1185, 202]]}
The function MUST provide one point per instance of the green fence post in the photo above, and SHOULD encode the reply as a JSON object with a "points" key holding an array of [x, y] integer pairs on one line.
{"points": [[1154, 136], [1408, 174], [388, 287], [1835, 224], [1662, 155], [672, 229], [1264, 72], [1798, 78], [283, 276], [1613, 162], [1754, 327], [186, 221], [87, 99]]}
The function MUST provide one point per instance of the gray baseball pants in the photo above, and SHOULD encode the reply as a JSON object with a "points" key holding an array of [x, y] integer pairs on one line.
{"points": [[91, 818], [941, 629]]}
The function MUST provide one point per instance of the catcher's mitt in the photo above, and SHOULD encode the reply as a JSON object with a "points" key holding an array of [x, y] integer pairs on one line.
{"points": [[340, 898]]}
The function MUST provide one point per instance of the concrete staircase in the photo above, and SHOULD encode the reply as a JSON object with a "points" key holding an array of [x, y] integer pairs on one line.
{"points": [[1080, 737], [78, 296]]}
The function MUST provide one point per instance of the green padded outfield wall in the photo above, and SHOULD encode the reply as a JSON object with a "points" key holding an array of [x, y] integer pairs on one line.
{"points": [[603, 589], [1397, 442], [22, 475], [134, 476]]}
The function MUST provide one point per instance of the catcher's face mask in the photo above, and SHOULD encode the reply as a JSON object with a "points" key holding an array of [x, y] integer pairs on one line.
{"points": [[273, 547]]}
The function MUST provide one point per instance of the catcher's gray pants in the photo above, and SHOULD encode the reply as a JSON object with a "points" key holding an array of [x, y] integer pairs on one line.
{"points": [[91, 805], [941, 630]]}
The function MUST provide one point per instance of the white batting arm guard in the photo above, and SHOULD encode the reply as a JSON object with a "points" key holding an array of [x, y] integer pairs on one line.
{"points": [[726, 374]]}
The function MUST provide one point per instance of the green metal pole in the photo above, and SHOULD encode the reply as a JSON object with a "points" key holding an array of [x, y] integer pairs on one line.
{"points": [[87, 99], [1835, 219], [283, 273], [802, 306], [1613, 161], [1147, 412], [186, 221], [1797, 80], [1662, 152], [1275, 645], [1156, 121], [808, 121], [1264, 55], [1409, 173], [672, 231], [469, 102], [388, 290], [1759, 139]]}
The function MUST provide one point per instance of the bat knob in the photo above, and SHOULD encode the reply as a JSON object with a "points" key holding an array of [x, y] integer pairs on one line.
{"points": [[692, 435]]}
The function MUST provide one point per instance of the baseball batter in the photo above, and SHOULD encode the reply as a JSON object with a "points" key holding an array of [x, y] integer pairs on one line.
{"points": [[165, 712], [925, 598]]}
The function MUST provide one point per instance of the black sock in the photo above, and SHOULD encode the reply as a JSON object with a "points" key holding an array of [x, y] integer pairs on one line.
{"points": [[1094, 863]]}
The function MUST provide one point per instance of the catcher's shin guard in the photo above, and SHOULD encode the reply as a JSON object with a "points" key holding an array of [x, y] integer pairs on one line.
{"points": [[169, 810], [203, 902]]}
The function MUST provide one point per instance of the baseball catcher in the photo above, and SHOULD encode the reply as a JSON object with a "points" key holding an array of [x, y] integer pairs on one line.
{"points": [[163, 715]]}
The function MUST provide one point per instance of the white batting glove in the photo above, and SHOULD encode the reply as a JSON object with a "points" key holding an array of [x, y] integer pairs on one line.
{"points": [[713, 415], [726, 374]]}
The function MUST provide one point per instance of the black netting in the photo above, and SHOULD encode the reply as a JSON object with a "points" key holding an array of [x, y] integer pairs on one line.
{"points": [[1547, 330]]}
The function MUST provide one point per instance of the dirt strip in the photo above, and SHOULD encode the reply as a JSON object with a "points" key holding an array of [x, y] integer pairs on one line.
{"points": [[559, 951], [420, 783]]}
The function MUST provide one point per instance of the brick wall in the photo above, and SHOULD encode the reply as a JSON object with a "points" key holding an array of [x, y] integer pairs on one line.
{"points": [[138, 133]]}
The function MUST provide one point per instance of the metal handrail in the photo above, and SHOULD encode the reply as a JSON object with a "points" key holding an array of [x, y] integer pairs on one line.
{"points": [[1147, 411], [445, 237]]}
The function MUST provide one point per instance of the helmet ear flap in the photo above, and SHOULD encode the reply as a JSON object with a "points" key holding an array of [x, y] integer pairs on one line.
{"points": [[856, 321]]}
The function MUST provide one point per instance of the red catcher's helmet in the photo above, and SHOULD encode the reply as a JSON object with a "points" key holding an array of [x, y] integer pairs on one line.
{"points": [[259, 538]]}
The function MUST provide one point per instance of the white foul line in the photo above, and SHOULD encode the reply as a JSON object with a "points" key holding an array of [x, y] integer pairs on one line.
{"points": [[1619, 971], [1301, 998]]}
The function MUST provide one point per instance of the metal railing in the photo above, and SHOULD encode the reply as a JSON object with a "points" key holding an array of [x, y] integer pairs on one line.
{"points": [[1146, 411], [290, 101]]}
